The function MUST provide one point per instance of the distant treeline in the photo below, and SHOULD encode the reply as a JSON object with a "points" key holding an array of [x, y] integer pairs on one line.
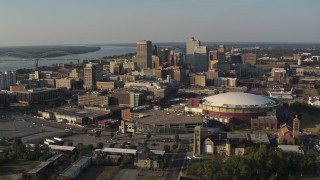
{"points": [[45, 51], [127, 55]]}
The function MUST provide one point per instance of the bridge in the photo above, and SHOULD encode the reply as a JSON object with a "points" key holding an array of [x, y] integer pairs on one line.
{"points": [[47, 56]]}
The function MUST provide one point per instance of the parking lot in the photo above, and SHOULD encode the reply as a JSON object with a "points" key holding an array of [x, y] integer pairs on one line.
{"points": [[156, 142], [30, 129]]}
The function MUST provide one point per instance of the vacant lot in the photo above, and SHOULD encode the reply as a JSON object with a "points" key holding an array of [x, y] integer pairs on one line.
{"points": [[99, 173], [14, 167]]}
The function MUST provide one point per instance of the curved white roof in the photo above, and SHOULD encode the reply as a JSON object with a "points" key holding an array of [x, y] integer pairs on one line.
{"points": [[242, 100]]}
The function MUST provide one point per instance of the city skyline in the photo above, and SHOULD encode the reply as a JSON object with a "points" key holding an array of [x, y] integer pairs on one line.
{"points": [[99, 22]]}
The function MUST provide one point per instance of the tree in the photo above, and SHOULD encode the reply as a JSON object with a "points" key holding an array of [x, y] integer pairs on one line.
{"points": [[90, 146], [99, 160], [73, 158], [148, 136], [177, 138], [80, 147], [100, 145], [166, 148], [111, 145], [98, 133], [174, 146]]}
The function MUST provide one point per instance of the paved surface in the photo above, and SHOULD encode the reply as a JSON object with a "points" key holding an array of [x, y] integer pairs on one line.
{"points": [[126, 174], [177, 161], [29, 128]]}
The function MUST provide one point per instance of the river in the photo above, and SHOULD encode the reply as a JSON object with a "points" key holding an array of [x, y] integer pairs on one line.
{"points": [[106, 50]]}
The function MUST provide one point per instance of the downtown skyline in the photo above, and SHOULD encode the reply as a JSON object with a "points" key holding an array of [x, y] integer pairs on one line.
{"points": [[100, 22]]}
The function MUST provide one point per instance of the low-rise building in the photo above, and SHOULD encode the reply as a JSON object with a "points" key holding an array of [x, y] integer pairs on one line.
{"points": [[106, 85], [264, 123], [76, 168], [147, 162], [35, 96], [127, 126], [92, 99], [291, 148], [109, 123], [65, 83], [285, 135]]}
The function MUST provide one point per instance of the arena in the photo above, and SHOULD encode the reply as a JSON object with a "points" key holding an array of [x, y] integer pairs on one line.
{"points": [[237, 106]]}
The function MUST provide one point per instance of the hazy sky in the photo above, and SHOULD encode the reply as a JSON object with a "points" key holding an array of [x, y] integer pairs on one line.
{"points": [[38, 22]]}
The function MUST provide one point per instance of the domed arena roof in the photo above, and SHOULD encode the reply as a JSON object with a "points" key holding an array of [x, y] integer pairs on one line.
{"points": [[239, 99]]}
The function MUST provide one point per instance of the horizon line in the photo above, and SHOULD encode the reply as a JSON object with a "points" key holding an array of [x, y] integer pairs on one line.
{"points": [[160, 42]]}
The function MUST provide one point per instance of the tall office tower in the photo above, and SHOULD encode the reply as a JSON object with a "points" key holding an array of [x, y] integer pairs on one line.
{"points": [[222, 53], [176, 57], [250, 58], [213, 54], [7, 79], [92, 74], [155, 61], [191, 45], [213, 59], [144, 54], [164, 55], [201, 59], [155, 50]]}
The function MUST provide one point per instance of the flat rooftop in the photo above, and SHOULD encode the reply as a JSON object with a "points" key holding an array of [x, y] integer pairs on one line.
{"points": [[261, 138], [62, 148], [291, 148], [117, 150], [70, 111], [161, 117], [44, 164], [39, 167], [72, 169]]}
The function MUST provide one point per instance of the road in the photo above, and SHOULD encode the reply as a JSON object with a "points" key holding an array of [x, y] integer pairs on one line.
{"points": [[177, 161]]}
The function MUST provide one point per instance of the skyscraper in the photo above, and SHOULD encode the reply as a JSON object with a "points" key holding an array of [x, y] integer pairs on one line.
{"points": [[213, 59], [191, 45], [7, 79], [221, 52], [201, 59], [92, 74], [144, 54], [250, 58], [164, 55]]}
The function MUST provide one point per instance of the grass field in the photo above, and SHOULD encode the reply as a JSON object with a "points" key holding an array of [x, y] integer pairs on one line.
{"points": [[310, 123], [15, 167], [99, 173]]}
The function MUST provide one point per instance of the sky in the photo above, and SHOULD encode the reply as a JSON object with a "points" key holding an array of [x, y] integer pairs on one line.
{"points": [[52, 22]]}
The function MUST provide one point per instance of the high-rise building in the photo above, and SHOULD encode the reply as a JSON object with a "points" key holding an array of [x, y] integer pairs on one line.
{"points": [[164, 55], [250, 58], [213, 59], [144, 54], [191, 45], [155, 61], [213, 55], [154, 50], [176, 57], [201, 59], [7, 79], [221, 52], [74, 73], [92, 74]]}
